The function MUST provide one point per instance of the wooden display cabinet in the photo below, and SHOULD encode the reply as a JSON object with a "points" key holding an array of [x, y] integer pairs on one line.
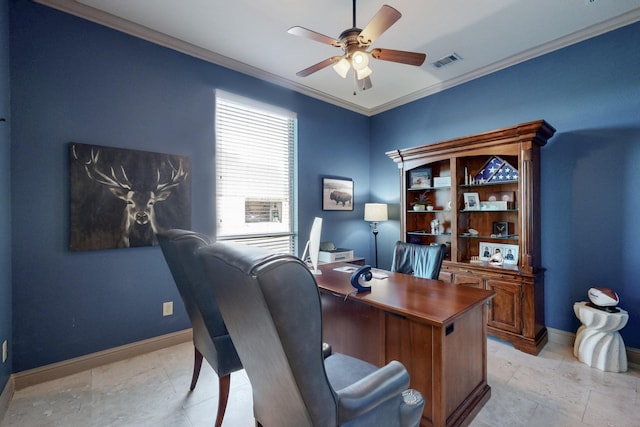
{"points": [[477, 213]]}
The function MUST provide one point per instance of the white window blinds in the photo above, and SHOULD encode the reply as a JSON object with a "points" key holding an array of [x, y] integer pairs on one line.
{"points": [[254, 172]]}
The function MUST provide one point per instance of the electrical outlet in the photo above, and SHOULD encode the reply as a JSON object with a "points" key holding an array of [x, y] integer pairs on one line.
{"points": [[4, 351], [167, 308]]}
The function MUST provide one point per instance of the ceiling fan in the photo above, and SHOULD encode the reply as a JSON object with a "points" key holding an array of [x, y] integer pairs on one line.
{"points": [[355, 42]]}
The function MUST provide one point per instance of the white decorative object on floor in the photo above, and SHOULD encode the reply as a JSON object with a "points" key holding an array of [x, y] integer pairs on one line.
{"points": [[598, 342]]}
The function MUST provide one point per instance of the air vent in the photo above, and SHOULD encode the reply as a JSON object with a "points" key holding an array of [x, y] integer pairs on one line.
{"points": [[446, 60]]}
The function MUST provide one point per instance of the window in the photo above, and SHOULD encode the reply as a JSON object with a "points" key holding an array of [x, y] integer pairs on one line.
{"points": [[254, 173]]}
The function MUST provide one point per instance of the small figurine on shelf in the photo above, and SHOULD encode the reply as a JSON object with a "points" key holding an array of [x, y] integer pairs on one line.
{"points": [[422, 201], [435, 226], [496, 258]]}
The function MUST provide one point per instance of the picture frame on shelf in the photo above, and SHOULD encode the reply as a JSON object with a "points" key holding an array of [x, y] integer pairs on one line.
{"points": [[486, 250], [441, 181], [471, 202], [503, 196], [510, 253], [337, 194], [420, 178], [498, 205], [500, 229]]}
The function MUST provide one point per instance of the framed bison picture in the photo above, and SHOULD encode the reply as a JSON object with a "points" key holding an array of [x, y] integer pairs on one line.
{"points": [[337, 194], [121, 198]]}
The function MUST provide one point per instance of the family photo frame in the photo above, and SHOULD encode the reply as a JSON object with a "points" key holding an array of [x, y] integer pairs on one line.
{"points": [[471, 201], [509, 253]]}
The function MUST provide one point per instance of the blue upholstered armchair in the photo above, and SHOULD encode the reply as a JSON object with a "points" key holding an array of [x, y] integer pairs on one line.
{"points": [[210, 337], [271, 306], [420, 260]]}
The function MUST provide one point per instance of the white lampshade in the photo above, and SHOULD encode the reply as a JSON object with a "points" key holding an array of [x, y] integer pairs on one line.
{"points": [[375, 212], [342, 67]]}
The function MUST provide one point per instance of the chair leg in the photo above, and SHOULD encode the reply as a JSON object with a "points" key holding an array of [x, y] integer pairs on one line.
{"points": [[223, 396], [197, 364]]}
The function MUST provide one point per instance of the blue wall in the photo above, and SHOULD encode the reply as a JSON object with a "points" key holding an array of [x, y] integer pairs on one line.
{"points": [[73, 80], [5, 208], [590, 93]]}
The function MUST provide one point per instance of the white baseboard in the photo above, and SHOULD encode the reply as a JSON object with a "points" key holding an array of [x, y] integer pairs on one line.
{"points": [[78, 364], [568, 338], [561, 337], [5, 397], [39, 375]]}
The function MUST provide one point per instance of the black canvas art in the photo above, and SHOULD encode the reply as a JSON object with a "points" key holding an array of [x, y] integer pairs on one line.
{"points": [[120, 198]]}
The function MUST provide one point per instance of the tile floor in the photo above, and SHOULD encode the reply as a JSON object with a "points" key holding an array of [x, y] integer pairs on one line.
{"points": [[553, 389]]}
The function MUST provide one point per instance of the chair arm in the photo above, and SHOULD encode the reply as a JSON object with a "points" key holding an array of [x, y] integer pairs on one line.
{"points": [[411, 408], [379, 386]]}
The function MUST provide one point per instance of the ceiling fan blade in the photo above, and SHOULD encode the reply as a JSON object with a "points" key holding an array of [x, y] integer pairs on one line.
{"points": [[363, 84], [385, 18], [303, 32], [410, 58], [319, 66]]}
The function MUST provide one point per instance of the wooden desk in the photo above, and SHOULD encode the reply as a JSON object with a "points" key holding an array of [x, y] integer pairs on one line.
{"points": [[437, 330]]}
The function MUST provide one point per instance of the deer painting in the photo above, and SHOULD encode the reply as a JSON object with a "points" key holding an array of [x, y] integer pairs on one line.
{"points": [[136, 201]]}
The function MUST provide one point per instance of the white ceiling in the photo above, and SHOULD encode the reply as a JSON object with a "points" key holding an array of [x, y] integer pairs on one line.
{"points": [[250, 36]]}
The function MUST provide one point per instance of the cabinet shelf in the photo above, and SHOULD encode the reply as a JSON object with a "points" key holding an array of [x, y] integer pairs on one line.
{"points": [[426, 233], [441, 187], [488, 184], [487, 210], [426, 211], [494, 268], [512, 237]]}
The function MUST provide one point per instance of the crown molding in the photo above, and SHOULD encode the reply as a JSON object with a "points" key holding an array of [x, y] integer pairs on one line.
{"points": [[103, 18], [81, 10], [560, 43]]}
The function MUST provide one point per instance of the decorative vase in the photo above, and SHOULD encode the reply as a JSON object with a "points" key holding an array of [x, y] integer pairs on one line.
{"points": [[418, 207], [429, 207]]}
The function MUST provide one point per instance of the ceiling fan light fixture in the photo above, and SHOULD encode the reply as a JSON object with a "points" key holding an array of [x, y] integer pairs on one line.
{"points": [[365, 72], [342, 67], [354, 43], [360, 60]]}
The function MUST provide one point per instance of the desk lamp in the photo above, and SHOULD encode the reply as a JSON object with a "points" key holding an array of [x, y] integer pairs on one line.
{"points": [[375, 213]]}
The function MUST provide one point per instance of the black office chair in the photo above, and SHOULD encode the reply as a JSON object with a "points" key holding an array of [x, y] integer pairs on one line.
{"points": [[420, 260], [271, 306], [210, 337]]}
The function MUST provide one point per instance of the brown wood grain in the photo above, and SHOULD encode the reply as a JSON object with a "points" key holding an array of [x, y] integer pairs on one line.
{"points": [[517, 312], [435, 329]]}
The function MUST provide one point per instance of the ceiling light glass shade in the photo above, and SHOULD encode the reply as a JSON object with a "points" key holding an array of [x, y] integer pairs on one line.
{"points": [[342, 67], [361, 74], [360, 60]]}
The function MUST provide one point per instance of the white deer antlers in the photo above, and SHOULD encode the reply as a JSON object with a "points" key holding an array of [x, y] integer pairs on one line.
{"points": [[112, 182]]}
